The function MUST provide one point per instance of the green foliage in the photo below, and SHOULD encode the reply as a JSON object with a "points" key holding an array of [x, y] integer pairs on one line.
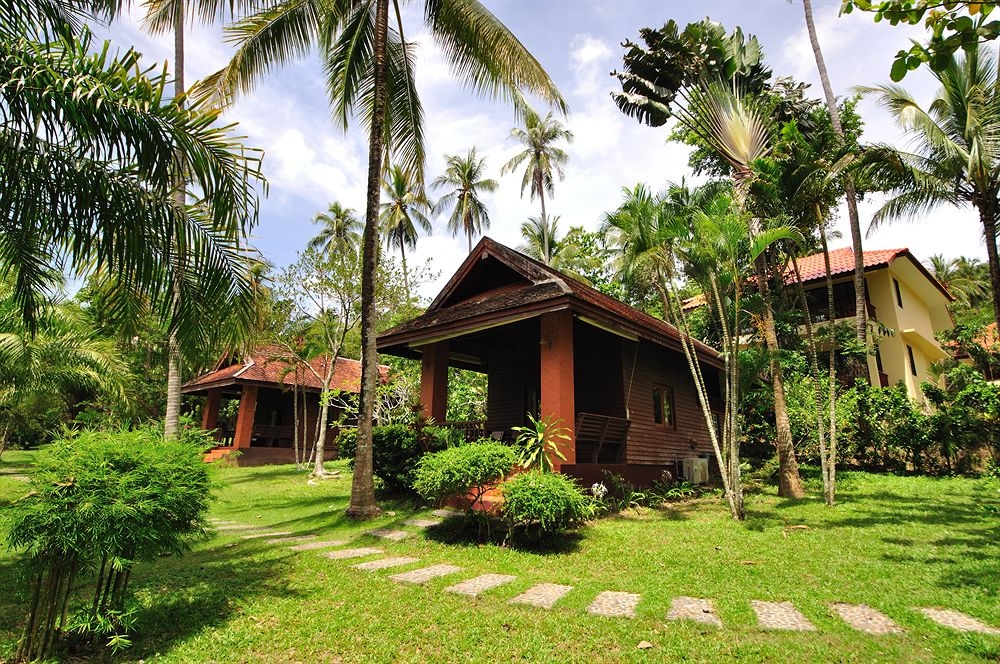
{"points": [[953, 26], [550, 502], [464, 472], [103, 501], [966, 418], [396, 450], [540, 442], [619, 493], [892, 431], [466, 395]]}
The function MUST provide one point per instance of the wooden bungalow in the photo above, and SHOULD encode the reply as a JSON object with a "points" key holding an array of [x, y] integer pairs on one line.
{"points": [[554, 347], [262, 382]]}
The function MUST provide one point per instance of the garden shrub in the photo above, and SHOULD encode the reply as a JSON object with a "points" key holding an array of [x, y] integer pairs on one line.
{"points": [[892, 432], [965, 424], [549, 501], [396, 449], [466, 472], [99, 503]]}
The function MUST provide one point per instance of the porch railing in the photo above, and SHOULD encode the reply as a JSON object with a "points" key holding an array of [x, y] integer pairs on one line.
{"points": [[600, 438], [473, 430]]}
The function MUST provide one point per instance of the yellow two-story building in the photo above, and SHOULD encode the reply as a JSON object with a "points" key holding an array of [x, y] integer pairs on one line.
{"points": [[906, 302]]}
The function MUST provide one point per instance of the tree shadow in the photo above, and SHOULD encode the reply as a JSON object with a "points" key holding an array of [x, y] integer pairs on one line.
{"points": [[463, 531]]}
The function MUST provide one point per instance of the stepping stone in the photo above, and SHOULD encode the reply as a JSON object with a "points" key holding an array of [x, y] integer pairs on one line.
{"points": [[422, 523], [958, 620], [544, 595], [286, 540], [425, 573], [866, 619], [383, 563], [238, 526], [221, 522], [612, 604], [447, 513], [781, 615], [310, 546], [344, 554], [692, 608], [480, 584], [389, 534], [267, 533]]}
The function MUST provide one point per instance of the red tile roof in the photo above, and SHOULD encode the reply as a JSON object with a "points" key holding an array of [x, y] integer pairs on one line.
{"points": [[271, 364]]}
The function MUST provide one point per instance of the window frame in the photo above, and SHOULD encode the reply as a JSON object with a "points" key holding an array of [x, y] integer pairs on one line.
{"points": [[899, 292], [913, 361], [664, 404]]}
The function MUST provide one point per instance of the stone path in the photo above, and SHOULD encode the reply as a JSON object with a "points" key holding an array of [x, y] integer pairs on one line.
{"points": [[781, 615], [959, 621], [344, 554], [389, 534], [425, 574], [544, 595], [480, 584], [692, 608], [312, 546], [384, 563], [613, 604], [866, 619]]}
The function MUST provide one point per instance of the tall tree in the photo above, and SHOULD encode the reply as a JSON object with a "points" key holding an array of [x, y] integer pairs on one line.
{"points": [[89, 146], [403, 214], [542, 242], [955, 157], [850, 196], [464, 177], [543, 161], [340, 229], [369, 69]]}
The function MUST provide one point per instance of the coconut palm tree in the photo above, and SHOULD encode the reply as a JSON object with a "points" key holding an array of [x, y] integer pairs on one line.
{"points": [[89, 147], [965, 278], [542, 242], [860, 318], [542, 160], [464, 177], [369, 68], [955, 155], [403, 214], [340, 229]]}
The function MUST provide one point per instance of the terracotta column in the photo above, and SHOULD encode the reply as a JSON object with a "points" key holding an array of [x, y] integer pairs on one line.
{"points": [[244, 420], [434, 380], [558, 399], [210, 416]]}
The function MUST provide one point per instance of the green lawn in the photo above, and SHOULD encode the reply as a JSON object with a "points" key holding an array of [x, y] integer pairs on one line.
{"points": [[893, 543]]}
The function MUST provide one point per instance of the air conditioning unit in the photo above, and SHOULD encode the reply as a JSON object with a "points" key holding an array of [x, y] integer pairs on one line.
{"points": [[695, 470]]}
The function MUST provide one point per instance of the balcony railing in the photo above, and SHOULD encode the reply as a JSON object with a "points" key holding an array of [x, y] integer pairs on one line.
{"points": [[600, 438]]}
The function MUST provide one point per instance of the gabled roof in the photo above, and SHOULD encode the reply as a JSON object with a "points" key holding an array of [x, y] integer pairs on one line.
{"points": [[813, 268], [497, 284], [270, 365]]}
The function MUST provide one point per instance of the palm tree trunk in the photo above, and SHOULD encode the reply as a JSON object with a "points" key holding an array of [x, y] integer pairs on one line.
{"points": [[814, 371], [830, 478], [986, 217], [319, 470], [406, 275], [172, 414], [860, 320], [789, 482], [362, 505]]}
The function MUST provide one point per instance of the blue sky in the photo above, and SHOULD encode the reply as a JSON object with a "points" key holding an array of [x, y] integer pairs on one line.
{"points": [[309, 162]]}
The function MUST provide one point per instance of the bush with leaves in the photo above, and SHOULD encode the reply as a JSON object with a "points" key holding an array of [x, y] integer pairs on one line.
{"points": [[466, 472], [549, 502], [396, 449], [539, 443], [966, 418], [892, 431], [99, 503]]}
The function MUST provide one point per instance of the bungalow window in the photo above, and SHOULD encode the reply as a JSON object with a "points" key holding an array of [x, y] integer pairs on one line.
{"points": [[913, 362], [899, 295], [663, 406]]}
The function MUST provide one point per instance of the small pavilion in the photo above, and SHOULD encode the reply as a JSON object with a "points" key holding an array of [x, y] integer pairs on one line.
{"points": [[614, 377]]}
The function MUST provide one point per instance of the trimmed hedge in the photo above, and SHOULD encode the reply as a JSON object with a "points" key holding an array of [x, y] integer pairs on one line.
{"points": [[550, 501], [396, 449], [459, 471]]}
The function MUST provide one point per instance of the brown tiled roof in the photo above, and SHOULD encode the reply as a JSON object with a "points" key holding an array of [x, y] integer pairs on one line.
{"points": [[547, 285], [270, 365], [813, 268]]}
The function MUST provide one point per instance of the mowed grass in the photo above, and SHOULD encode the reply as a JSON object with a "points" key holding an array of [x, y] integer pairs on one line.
{"points": [[893, 543]]}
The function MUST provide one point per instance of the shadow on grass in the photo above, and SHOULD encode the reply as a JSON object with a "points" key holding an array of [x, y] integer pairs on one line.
{"points": [[465, 532], [199, 591]]}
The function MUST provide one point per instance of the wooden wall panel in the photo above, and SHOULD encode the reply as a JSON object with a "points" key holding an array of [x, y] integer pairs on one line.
{"points": [[650, 443], [598, 371], [513, 375]]}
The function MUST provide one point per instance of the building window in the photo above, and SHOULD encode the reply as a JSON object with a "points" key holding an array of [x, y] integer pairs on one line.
{"points": [[663, 406], [913, 362], [899, 295]]}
